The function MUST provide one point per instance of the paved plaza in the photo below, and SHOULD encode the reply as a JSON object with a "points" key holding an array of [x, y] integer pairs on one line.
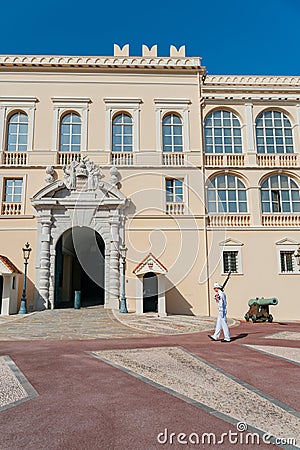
{"points": [[95, 379]]}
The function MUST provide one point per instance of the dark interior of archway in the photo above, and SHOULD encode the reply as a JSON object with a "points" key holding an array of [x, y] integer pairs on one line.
{"points": [[79, 266], [150, 292]]}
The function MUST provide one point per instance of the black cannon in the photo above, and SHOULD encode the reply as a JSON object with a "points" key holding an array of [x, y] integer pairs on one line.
{"points": [[259, 309]]}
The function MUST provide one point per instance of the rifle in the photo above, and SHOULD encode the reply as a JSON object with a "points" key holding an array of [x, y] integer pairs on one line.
{"points": [[226, 281]]}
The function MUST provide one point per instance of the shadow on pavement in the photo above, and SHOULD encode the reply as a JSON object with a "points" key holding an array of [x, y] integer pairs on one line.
{"points": [[239, 336]]}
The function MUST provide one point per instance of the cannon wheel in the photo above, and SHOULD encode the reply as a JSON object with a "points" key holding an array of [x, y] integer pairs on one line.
{"points": [[270, 318], [247, 317], [254, 318]]}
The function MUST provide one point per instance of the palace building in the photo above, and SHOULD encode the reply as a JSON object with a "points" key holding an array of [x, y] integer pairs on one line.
{"points": [[149, 173]]}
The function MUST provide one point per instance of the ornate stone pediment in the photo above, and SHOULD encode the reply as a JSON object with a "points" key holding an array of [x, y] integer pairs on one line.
{"points": [[83, 182], [150, 264]]}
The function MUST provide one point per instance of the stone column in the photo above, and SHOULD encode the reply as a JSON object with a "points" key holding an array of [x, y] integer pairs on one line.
{"points": [[44, 281], [114, 284]]}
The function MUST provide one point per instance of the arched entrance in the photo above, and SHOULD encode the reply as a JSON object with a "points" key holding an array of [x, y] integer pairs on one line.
{"points": [[79, 266], [150, 292]]}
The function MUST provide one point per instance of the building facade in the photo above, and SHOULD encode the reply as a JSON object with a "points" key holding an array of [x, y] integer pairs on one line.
{"points": [[195, 175]]}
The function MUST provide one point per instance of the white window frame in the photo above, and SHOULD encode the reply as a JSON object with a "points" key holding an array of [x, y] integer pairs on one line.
{"points": [[287, 245], [179, 106], [130, 106], [184, 179], [230, 245], [11, 105], [8, 176], [64, 105]]}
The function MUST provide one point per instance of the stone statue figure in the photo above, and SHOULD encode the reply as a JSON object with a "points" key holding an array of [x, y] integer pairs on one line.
{"points": [[70, 175], [94, 175], [83, 168], [49, 174], [115, 177]]}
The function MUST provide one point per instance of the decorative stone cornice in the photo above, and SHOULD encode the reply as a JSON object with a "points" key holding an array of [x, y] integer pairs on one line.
{"points": [[251, 80], [100, 61]]}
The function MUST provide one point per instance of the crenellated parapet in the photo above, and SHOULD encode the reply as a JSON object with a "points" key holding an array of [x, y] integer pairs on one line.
{"points": [[120, 58]]}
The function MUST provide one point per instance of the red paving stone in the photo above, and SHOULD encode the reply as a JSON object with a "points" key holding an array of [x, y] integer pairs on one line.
{"points": [[85, 403]]}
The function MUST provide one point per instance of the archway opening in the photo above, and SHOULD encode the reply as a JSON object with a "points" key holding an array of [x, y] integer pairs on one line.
{"points": [[150, 292], [79, 266]]}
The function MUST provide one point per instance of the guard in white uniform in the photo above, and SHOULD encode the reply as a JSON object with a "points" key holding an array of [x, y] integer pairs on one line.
{"points": [[220, 298]]}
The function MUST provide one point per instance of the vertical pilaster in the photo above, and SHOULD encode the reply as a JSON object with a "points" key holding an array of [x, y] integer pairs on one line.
{"points": [[250, 141]]}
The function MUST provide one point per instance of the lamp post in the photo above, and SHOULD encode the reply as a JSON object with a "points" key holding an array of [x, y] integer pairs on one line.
{"points": [[297, 255], [26, 253], [123, 306]]}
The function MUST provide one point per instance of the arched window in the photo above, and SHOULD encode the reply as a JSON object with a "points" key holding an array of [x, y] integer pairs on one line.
{"points": [[222, 133], [227, 194], [172, 133], [279, 193], [17, 132], [273, 133], [122, 140], [70, 133]]}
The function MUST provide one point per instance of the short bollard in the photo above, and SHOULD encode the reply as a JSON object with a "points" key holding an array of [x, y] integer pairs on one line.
{"points": [[77, 300]]}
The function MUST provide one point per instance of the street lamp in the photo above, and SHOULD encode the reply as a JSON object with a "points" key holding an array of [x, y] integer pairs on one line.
{"points": [[297, 255], [26, 253], [123, 306]]}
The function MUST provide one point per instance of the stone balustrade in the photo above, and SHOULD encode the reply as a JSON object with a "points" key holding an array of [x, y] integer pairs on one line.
{"points": [[175, 208], [225, 160], [281, 220], [173, 159], [122, 159], [15, 158], [64, 159], [277, 160], [11, 209], [229, 220]]}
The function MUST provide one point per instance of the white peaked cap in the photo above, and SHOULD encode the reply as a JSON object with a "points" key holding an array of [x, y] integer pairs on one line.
{"points": [[217, 285]]}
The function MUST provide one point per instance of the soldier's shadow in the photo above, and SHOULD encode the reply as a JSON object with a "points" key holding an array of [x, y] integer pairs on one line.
{"points": [[239, 336]]}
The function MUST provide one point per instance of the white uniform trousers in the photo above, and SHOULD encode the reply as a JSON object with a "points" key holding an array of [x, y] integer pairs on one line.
{"points": [[221, 325]]}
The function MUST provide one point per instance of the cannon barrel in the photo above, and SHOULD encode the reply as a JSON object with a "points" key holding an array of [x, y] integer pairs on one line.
{"points": [[261, 301]]}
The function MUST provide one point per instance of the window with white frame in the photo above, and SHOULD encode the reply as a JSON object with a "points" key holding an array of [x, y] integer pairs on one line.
{"points": [[174, 190], [116, 109], [70, 133], [230, 261], [280, 194], [17, 132], [172, 133], [180, 108], [287, 261], [274, 133], [13, 190], [222, 132], [122, 133], [17, 123], [226, 194]]}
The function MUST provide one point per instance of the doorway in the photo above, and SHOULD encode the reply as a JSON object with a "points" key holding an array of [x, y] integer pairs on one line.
{"points": [[150, 292], [79, 266]]}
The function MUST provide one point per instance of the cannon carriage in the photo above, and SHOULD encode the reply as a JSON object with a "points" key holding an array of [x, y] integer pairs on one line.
{"points": [[259, 309]]}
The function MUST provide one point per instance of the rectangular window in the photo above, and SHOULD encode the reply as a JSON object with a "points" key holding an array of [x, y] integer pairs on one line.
{"points": [[230, 261], [287, 261], [13, 190], [174, 191]]}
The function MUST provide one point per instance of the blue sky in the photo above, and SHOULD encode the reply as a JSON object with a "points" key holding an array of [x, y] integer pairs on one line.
{"points": [[232, 36]]}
